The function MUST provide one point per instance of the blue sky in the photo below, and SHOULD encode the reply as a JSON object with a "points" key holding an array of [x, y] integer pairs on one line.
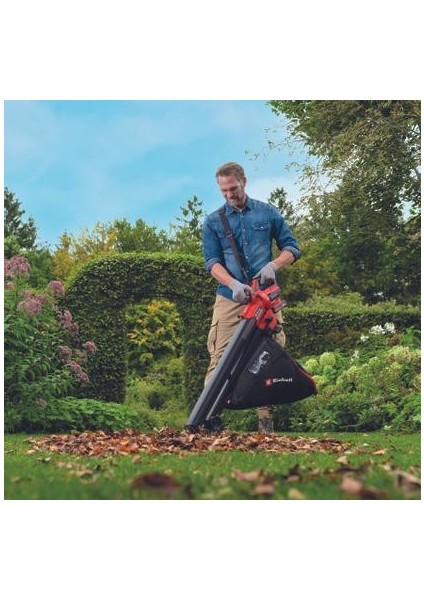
{"points": [[75, 163]]}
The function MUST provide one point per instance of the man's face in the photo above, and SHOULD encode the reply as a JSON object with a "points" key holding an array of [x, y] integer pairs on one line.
{"points": [[233, 190]]}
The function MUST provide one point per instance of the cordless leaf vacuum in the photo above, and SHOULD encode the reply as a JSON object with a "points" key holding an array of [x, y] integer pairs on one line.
{"points": [[254, 370]]}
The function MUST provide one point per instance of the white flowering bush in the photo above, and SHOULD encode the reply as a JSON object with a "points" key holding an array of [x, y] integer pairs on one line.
{"points": [[375, 386]]}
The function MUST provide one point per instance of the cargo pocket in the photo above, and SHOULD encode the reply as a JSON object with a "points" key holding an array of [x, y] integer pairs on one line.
{"points": [[211, 343]]}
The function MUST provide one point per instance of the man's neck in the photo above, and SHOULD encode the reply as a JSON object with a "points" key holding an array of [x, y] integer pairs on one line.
{"points": [[239, 207]]}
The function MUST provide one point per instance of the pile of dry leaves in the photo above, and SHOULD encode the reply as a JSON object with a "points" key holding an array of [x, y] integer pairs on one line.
{"points": [[169, 441]]}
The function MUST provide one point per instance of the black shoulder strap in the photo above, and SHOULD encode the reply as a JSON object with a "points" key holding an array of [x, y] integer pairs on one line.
{"points": [[229, 235]]}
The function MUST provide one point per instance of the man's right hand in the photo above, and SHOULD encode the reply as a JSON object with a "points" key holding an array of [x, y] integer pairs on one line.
{"points": [[241, 291]]}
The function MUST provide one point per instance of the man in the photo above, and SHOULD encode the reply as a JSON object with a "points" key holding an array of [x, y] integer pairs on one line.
{"points": [[254, 225]]}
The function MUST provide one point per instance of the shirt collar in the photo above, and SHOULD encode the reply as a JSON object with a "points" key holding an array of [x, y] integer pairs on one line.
{"points": [[230, 209]]}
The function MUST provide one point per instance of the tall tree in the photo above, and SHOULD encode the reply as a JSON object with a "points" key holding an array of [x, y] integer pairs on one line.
{"points": [[369, 154], [278, 198], [19, 235], [139, 237], [187, 233], [378, 141], [74, 251]]}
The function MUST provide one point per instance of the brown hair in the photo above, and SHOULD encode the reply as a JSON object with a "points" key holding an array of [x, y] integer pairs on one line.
{"points": [[231, 168]]}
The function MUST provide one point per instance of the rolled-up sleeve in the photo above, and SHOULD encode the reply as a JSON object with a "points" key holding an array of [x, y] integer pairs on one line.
{"points": [[212, 249]]}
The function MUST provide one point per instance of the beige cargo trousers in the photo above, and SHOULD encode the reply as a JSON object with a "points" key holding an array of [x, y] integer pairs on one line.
{"points": [[225, 319]]}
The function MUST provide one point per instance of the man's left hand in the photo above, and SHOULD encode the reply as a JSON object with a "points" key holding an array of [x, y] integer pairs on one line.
{"points": [[267, 273]]}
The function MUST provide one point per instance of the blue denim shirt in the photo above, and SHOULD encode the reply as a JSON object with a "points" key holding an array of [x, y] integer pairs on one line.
{"points": [[253, 229]]}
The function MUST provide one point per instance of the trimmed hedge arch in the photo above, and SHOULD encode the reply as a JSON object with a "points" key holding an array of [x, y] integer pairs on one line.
{"points": [[102, 289]]}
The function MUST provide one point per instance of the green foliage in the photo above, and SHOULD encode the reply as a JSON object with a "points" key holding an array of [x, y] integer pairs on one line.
{"points": [[369, 153], [162, 391], [100, 308], [411, 337], [73, 251], [344, 302], [120, 236], [44, 356], [187, 233], [331, 323], [76, 414], [20, 240], [315, 273], [41, 261], [377, 386], [139, 237], [154, 332], [19, 235], [103, 289], [378, 140], [240, 420], [278, 199]]}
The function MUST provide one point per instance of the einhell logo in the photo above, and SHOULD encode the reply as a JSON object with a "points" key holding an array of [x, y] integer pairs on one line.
{"points": [[269, 381]]}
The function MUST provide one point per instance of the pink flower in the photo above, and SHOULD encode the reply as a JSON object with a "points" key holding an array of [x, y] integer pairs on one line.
{"points": [[77, 370], [65, 353], [31, 306], [74, 366], [90, 347], [57, 288], [65, 319], [84, 378], [17, 265]]}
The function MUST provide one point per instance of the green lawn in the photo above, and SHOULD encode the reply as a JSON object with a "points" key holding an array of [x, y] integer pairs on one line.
{"points": [[376, 466]]}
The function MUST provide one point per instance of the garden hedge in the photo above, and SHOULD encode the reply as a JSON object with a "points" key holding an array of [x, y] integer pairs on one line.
{"points": [[100, 292], [311, 331]]}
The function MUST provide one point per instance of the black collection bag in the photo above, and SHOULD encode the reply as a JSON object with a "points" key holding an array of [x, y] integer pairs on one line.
{"points": [[271, 376]]}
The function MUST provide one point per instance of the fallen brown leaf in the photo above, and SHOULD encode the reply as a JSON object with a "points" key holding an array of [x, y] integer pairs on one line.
{"points": [[295, 494], [170, 441], [355, 487], [157, 482], [407, 482], [263, 489], [247, 476], [351, 485]]}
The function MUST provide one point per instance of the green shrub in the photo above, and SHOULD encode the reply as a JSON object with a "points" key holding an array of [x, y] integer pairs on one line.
{"points": [[336, 323], [240, 420], [154, 333], [376, 386], [103, 289], [75, 414], [409, 418], [44, 355]]}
